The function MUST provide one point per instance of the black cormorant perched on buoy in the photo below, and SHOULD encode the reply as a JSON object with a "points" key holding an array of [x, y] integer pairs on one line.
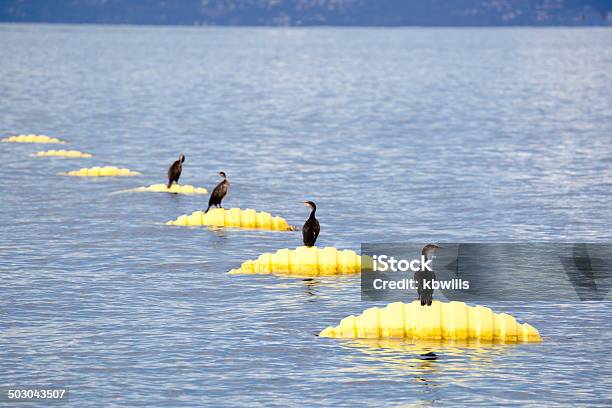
{"points": [[421, 276], [311, 228], [219, 192], [174, 171]]}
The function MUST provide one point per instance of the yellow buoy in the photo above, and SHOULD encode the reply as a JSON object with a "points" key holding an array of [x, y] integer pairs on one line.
{"points": [[440, 321], [234, 217], [303, 262], [174, 189], [107, 171], [63, 153], [32, 139]]}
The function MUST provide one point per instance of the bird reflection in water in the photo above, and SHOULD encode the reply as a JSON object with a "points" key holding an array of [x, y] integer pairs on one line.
{"points": [[429, 356], [220, 233], [410, 357], [309, 289]]}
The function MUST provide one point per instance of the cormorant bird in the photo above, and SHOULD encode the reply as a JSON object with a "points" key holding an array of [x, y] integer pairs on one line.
{"points": [[174, 171], [219, 192], [420, 276], [311, 228]]}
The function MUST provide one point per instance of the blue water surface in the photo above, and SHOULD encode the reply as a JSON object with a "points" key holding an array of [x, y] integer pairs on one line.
{"points": [[426, 135]]}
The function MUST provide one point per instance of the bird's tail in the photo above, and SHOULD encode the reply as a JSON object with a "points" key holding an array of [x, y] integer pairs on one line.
{"points": [[169, 183], [207, 209], [426, 299]]}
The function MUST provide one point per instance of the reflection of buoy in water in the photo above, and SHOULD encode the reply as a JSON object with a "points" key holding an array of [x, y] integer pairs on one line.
{"points": [[429, 356]]}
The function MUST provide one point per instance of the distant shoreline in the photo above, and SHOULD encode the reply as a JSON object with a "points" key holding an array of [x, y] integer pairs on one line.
{"points": [[313, 13], [319, 26]]}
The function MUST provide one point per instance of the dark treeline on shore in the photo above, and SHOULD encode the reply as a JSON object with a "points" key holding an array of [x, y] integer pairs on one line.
{"points": [[313, 12]]}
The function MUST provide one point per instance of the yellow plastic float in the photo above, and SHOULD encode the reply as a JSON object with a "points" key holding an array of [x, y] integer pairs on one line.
{"points": [[107, 171], [303, 261], [174, 189], [63, 153], [32, 139], [234, 217], [440, 321]]}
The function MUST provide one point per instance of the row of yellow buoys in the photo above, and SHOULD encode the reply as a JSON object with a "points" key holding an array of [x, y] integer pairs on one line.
{"points": [[234, 217], [106, 171], [440, 321], [32, 139], [64, 153], [303, 261], [174, 189]]}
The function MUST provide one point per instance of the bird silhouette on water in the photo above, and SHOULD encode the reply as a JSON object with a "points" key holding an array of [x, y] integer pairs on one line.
{"points": [[174, 171], [219, 192], [426, 294], [424, 275], [311, 228]]}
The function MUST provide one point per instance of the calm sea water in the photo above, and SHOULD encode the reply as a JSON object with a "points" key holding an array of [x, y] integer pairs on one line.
{"points": [[428, 135]]}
